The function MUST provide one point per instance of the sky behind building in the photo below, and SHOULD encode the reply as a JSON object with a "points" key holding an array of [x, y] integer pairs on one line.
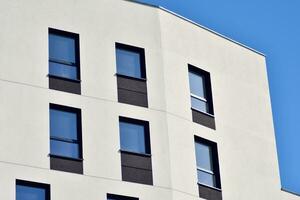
{"points": [[271, 27]]}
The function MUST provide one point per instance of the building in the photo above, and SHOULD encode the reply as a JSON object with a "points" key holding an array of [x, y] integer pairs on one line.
{"points": [[112, 99]]}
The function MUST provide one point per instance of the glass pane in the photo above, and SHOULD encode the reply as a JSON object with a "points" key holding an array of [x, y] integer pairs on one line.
{"points": [[197, 86], [63, 124], [128, 63], [62, 48], [61, 70], [204, 156], [65, 149], [199, 105], [206, 178], [132, 137], [30, 193]]}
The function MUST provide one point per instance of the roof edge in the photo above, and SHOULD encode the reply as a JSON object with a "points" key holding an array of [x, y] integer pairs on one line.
{"points": [[199, 25]]}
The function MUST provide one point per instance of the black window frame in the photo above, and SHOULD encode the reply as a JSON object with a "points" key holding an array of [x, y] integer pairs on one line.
{"points": [[120, 197], [135, 49], [207, 88], [79, 130], [147, 141], [214, 159], [74, 36], [44, 186]]}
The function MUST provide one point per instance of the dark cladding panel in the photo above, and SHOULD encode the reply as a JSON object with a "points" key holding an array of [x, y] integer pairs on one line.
{"points": [[64, 85], [203, 119], [67, 165]]}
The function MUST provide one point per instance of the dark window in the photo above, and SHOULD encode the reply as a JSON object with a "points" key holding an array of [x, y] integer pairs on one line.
{"points": [[131, 75], [207, 163], [200, 89], [134, 135], [201, 97], [64, 54], [65, 131], [119, 197], [130, 61], [64, 62], [32, 191], [135, 151]]}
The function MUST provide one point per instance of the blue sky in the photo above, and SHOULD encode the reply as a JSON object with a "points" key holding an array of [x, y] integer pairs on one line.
{"points": [[272, 27]]}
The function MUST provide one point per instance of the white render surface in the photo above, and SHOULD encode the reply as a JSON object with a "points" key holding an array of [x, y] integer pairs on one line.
{"points": [[244, 127]]}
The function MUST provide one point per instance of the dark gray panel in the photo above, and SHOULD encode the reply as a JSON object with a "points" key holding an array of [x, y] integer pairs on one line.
{"points": [[209, 193], [132, 84], [133, 98], [67, 165], [64, 85], [203, 119], [136, 161], [137, 175], [132, 91]]}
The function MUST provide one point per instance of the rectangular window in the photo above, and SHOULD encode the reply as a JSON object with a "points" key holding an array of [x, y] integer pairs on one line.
{"points": [[207, 163], [209, 182], [65, 138], [64, 62], [130, 61], [65, 131], [201, 97], [63, 54], [131, 75], [134, 135], [200, 90], [26, 190], [135, 151]]}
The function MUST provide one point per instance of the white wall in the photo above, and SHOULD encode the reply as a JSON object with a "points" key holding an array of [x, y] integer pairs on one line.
{"points": [[244, 134]]}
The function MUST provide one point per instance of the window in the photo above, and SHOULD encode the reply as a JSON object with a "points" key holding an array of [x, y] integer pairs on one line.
{"points": [[119, 197], [64, 64], [207, 163], [65, 131], [201, 97], [130, 61], [131, 75], [204, 165], [134, 135], [32, 191], [200, 90], [135, 151], [64, 54]]}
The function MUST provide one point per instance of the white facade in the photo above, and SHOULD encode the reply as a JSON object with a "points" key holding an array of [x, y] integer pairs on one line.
{"points": [[244, 127]]}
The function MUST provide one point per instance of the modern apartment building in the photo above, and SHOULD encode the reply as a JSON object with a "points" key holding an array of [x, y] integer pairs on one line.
{"points": [[117, 100]]}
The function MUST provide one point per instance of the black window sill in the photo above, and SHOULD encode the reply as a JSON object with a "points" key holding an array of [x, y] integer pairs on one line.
{"points": [[135, 153], [64, 84], [63, 157], [64, 78], [210, 187], [66, 164], [131, 77], [205, 113]]}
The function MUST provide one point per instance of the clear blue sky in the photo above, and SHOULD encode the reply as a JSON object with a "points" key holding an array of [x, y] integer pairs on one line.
{"points": [[272, 27]]}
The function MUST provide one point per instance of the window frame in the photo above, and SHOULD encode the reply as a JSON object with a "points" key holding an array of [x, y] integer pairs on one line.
{"points": [[147, 141], [135, 49], [207, 90], [214, 159], [119, 197], [73, 36], [31, 184], [79, 130]]}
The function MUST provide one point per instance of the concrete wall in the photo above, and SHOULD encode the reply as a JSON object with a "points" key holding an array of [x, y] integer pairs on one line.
{"points": [[245, 135]]}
